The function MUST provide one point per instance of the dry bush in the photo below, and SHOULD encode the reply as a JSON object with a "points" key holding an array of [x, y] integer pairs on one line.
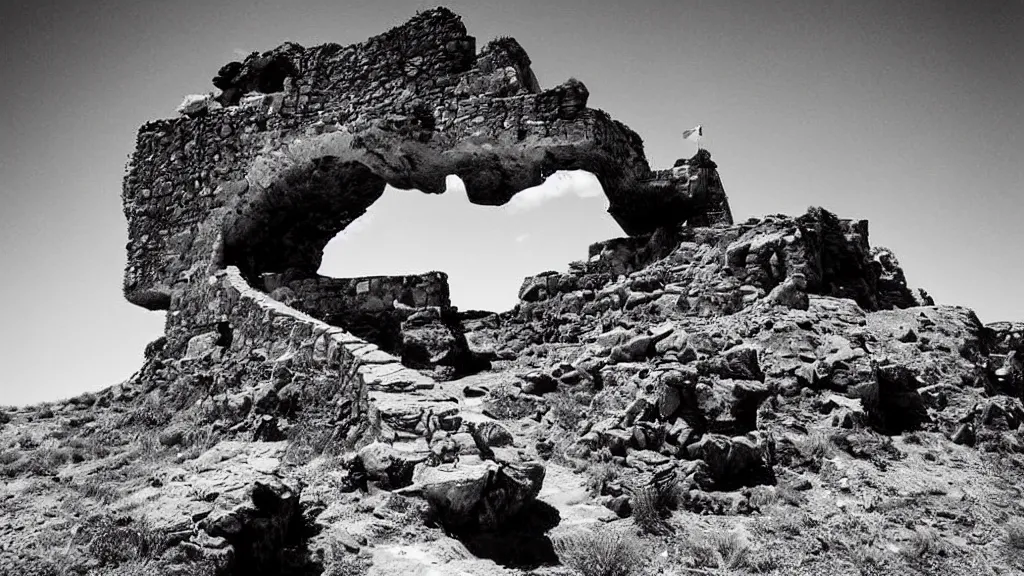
{"points": [[599, 475], [564, 410], [26, 441], [87, 448], [816, 447], [726, 550], [763, 497], [602, 552], [98, 489], [308, 440], [867, 557], [913, 438], [787, 494], [648, 505], [41, 462], [923, 541], [115, 544], [505, 402], [152, 413], [340, 562]]}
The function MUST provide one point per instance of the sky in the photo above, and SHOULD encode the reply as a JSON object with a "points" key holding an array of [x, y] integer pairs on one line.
{"points": [[907, 114]]}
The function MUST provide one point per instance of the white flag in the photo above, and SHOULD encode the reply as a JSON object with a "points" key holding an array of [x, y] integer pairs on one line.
{"points": [[694, 134]]}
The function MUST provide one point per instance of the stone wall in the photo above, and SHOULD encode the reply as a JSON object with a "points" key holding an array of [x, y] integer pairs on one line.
{"points": [[407, 108], [372, 308]]}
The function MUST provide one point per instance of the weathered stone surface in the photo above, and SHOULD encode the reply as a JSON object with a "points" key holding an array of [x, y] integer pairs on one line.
{"points": [[391, 467], [892, 401], [480, 496], [737, 461]]}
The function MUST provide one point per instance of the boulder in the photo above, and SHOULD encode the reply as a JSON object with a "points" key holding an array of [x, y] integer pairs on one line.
{"points": [[480, 496], [791, 293], [740, 363], [391, 467], [197, 105], [737, 461], [492, 434], [539, 383]]}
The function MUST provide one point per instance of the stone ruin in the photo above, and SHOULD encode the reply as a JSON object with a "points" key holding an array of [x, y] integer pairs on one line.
{"points": [[230, 205]]}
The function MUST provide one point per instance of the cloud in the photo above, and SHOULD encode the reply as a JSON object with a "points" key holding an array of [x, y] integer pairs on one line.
{"points": [[565, 183], [522, 238]]}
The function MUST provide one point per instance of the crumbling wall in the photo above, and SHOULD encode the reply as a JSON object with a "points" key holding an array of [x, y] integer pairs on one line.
{"points": [[373, 308], [407, 108]]}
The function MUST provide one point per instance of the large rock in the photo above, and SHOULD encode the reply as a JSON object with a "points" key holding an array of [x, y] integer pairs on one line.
{"points": [[477, 496], [892, 401], [737, 461], [391, 467]]}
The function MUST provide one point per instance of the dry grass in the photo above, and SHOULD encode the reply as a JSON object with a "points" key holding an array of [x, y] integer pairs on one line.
{"points": [[720, 549], [763, 497], [564, 410], [603, 552], [505, 402], [648, 505], [599, 475], [923, 541], [113, 544], [817, 447]]}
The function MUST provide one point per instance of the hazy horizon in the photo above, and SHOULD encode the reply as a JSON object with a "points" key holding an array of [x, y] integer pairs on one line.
{"points": [[905, 114]]}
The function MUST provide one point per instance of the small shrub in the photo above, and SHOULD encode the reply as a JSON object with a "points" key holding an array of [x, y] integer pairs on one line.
{"points": [[599, 475], [867, 556], [913, 438], [720, 549], [114, 544], [789, 495], [816, 447], [97, 489], [564, 411], [152, 414], [648, 504], [922, 542], [46, 461], [343, 563], [763, 497], [8, 457], [505, 402], [602, 552], [26, 441], [308, 440], [89, 447]]}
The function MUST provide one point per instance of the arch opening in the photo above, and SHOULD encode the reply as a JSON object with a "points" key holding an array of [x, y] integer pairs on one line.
{"points": [[402, 302]]}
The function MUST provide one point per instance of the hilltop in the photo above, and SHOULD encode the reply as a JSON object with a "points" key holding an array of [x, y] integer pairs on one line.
{"points": [[700, 396]]}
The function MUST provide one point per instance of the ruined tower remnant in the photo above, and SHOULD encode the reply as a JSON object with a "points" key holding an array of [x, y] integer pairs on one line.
{"points": [[234, 200]]}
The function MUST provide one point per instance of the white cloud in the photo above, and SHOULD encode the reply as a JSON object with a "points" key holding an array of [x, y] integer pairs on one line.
{"points": [[522, 238], [566, 183]]}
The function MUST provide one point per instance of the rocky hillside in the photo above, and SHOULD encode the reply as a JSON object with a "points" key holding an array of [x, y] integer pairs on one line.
{"points": [[699, 397]]}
